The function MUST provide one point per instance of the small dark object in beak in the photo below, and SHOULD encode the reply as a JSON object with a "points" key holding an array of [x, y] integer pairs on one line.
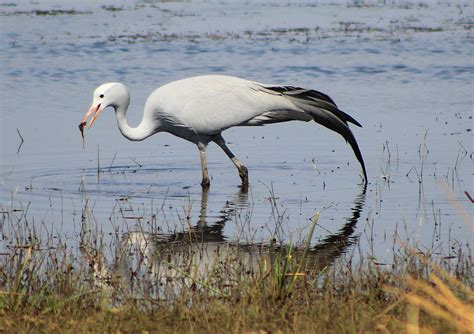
{"points": [[81, 128]]}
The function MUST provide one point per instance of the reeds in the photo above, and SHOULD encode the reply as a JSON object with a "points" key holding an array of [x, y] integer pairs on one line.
{"points": [[143, 281], [449, 301]]}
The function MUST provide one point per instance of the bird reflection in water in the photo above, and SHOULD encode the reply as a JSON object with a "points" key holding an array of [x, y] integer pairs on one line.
{"points": [[169, 261]]}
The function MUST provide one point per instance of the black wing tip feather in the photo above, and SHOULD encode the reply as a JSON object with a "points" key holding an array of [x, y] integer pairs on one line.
{"points": [[344, 130], [350, 119], [327, 103], [358, 155], [303, 93], [314, 95], [349, 137]]}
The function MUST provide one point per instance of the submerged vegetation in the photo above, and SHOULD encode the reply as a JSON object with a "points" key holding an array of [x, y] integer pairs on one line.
{"points": [[193, 281]]}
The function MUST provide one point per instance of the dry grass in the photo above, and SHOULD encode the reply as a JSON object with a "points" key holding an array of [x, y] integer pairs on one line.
{"points": [[140, 284]]}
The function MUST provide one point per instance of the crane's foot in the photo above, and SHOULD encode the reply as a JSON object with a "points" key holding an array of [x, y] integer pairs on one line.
{"points": [[244, 175], [205, 183]]}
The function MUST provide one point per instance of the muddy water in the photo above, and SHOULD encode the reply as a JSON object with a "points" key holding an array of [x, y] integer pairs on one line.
{"points": [[403, 71]]}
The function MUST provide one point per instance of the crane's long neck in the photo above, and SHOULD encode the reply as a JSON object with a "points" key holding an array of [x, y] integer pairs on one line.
{"points": [[145, 129]]}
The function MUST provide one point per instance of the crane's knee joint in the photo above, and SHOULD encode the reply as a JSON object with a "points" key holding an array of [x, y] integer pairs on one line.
{"points": [[205, 183]]}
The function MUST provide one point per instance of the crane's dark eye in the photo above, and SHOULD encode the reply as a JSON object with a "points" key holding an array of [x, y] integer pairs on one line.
{"points": [[101, 96]]}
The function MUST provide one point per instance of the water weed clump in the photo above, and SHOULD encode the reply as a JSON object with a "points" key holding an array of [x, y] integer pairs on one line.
{"points": [[142, 281]]}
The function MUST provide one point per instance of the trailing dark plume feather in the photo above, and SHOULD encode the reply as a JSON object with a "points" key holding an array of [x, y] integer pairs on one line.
{"points": [[325, 112]]}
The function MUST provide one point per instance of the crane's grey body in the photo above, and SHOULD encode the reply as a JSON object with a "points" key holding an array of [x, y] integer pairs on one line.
{"points": [[199, 108]]}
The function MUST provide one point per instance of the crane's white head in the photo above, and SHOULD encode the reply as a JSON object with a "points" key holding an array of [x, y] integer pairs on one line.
{"points": [[113, 94]]}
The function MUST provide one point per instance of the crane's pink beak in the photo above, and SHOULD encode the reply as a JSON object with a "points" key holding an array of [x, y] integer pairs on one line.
{"points": [[94, 111]]}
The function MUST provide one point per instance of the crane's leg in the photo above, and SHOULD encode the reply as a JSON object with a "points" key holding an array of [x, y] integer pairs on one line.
{"points": [[243, 172], [205, 175]]}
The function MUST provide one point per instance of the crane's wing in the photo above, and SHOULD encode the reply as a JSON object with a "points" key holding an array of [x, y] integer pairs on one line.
{"points": [[311, 102]]}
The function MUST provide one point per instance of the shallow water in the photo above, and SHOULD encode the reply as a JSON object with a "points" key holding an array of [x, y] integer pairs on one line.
{"points": [[403, 71]]}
